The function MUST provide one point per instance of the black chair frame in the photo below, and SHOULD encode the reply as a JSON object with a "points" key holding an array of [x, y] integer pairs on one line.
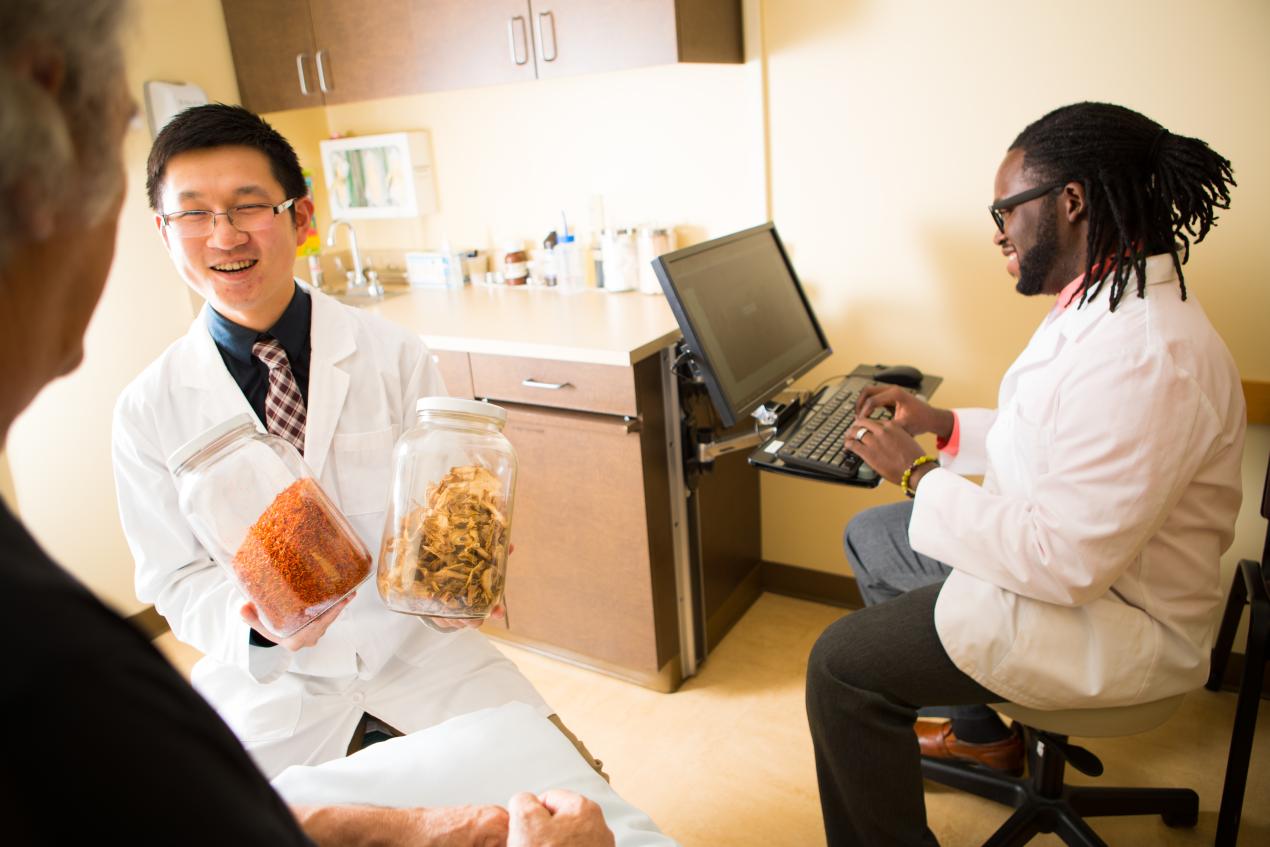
{"points": [[1250, 588], [1043, 802]]}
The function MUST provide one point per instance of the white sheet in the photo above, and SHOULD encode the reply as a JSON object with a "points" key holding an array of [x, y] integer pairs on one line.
{"points": [[480, 758]]}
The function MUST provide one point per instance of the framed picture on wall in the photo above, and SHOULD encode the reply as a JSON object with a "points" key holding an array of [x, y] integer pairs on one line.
{"points": [[380, 176]]}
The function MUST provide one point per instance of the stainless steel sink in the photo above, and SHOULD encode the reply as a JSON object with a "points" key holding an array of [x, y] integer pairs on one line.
{"points": [[359, 297]]}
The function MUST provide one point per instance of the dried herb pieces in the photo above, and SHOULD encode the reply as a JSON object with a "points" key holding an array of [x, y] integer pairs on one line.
{"points": [[448, 555], [298, 559]]}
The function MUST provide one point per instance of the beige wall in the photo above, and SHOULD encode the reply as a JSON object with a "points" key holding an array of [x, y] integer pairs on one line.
{"points": [[59, 449], [676, 144], [888, 120]]}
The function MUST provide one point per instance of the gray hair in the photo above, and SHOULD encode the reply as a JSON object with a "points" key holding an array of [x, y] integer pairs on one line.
{"points": [[52, 147]]}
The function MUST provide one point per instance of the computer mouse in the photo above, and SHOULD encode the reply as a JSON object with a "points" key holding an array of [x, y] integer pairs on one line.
{"points": [[906, 376]]}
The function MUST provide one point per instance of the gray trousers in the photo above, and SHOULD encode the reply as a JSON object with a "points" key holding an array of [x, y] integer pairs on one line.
{"points": [[867, 675], [885, 566]]}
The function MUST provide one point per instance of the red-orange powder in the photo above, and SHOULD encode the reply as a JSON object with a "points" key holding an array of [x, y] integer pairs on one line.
{"points": [[297, 560]]}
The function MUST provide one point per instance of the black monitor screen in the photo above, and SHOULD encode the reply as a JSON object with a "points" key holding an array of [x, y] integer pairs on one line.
{"points": [[744, 316]]}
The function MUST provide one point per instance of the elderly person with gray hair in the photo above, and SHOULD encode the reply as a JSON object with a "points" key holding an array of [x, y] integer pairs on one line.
{"points": [[131, 749]]}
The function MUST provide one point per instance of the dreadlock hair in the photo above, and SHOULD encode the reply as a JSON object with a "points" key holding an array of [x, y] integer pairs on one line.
{"points": [[1148, 191]]}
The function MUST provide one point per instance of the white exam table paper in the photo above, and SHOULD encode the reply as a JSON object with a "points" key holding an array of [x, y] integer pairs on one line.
{"points": [[479, 758]]}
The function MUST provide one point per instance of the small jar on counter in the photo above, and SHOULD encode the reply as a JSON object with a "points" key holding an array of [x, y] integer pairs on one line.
{"points": [[653, 242], [621, 268], [449, 518], [258, 510], [515, 264]]}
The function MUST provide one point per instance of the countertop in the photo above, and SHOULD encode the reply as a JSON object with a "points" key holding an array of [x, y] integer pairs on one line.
{"points": [[575, 326]]}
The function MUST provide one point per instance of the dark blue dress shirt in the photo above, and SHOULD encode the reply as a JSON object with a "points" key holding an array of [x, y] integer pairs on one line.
{"points": [[252, 375]]}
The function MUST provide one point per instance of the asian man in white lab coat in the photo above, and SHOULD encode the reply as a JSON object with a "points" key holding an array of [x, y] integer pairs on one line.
{"points": [[1084, 571], [231, 207]]}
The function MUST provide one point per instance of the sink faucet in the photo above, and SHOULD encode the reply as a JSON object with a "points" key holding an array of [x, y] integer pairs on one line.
{"points": [[359, 279]]}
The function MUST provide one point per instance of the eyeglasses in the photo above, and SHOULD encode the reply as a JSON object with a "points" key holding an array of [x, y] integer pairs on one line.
{"points": [[1008, 203], [199, 223]]}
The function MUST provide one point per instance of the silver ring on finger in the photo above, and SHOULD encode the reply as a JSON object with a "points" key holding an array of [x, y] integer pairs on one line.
{"points": [[860, 433]]}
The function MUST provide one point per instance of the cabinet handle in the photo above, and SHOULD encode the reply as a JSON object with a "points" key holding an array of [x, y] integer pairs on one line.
{"points": [[551, 19], [299, 69], [511, 39], [321, 71], [550, 386]]}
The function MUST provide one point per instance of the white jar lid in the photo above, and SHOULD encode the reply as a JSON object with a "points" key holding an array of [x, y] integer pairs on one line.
{"points": [[463, 407], [187, 451]]}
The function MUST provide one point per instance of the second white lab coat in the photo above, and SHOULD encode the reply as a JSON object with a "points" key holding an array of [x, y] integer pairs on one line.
{"points": [[364, 377], [1086, 567]]}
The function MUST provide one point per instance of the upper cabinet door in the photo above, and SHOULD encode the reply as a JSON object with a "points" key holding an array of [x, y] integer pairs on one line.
{"points": [[364, 50], [587, 36], [465, 44], [274, 54]]}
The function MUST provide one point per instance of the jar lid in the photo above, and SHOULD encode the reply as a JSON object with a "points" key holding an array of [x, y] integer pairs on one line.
{"points": [[463, 407], [189, 449]]}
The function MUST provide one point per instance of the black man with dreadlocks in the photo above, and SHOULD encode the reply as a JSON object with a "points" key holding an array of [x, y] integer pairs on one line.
{"points": [[1084, 571]]}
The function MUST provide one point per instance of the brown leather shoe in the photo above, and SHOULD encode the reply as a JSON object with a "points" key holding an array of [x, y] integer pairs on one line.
{"points": [[936, 740]]}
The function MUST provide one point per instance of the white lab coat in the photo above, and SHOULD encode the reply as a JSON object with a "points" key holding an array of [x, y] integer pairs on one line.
{"points": [[364, 377], [1086, 567]]}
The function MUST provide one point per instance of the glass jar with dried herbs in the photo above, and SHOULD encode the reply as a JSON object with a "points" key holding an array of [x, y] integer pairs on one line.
{"points": [[449, 517], [258, 510]]}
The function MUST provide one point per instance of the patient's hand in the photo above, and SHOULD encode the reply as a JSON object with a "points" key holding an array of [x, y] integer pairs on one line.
{"points": [[910, 411], [306, 637], [557, 818]]}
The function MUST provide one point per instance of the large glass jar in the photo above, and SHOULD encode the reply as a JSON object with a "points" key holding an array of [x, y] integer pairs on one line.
{"points": [[258, 510], [450, 512]]}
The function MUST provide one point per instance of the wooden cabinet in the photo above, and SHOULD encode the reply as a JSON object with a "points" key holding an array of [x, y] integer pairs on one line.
{"points": [[593, 576], [274, 54], [461, 44], [297, 53], [365, 50], [306, 53]]}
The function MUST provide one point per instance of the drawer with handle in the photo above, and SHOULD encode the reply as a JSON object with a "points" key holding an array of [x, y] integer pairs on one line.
{"points": [[607, 389]]}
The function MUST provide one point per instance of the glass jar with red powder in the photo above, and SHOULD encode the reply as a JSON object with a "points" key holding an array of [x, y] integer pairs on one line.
{"points": [[258, 510], [449, 513]]}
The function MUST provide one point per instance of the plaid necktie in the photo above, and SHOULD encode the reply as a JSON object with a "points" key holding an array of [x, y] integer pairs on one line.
{"points": [[284, 405]]}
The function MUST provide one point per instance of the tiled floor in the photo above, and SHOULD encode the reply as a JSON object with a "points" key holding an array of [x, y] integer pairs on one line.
{"points": [[727, 759]]}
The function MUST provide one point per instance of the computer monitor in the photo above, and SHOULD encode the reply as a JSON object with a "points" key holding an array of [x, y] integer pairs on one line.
{"points": [[744, 317]]}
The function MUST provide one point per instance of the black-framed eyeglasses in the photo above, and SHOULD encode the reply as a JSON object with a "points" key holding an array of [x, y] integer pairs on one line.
{"points": [[1007, 203], [249, 217]]}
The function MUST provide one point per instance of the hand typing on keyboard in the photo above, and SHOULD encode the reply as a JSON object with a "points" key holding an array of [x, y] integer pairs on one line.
{"points": [[909, 411], [888, 445]]}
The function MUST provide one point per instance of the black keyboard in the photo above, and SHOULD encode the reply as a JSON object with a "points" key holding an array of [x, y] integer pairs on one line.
{"points": [[816, 441]]}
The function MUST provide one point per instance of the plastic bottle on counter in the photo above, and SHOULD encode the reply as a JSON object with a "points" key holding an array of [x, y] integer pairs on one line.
{"points": [[570, 264], [597, 259]]}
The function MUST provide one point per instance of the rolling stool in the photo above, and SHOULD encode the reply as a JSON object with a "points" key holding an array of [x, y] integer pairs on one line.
{"points": [[1042, 801], [370, 730]]}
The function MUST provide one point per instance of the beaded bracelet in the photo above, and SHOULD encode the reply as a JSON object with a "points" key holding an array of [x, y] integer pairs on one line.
{"points": [[917, 463]]}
